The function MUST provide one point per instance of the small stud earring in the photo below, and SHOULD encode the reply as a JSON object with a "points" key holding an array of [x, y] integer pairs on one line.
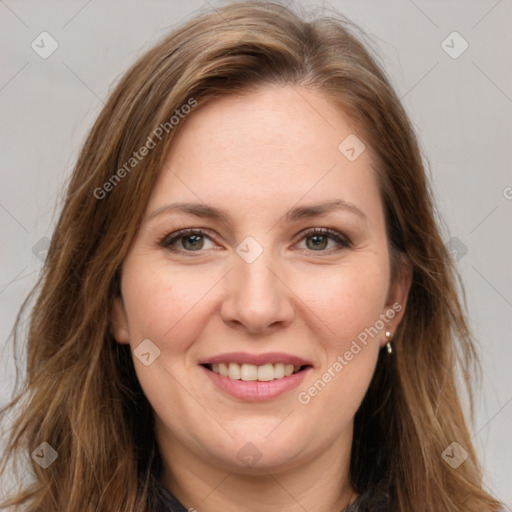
{"points": [[389, 335]]}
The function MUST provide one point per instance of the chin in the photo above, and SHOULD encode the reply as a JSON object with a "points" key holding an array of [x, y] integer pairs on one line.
{"points": [[255, 454]]}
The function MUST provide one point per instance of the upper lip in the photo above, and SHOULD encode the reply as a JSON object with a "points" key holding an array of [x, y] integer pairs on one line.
{"points": [[256, 359]]}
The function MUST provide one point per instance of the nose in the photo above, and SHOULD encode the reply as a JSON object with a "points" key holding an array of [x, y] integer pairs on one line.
{"points": [[258, 299]]}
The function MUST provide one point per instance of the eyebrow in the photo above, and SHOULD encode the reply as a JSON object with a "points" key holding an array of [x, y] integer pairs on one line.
{"points": [[202, 210]]}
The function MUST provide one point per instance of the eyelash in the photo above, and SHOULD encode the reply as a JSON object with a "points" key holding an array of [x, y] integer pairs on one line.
{"points": [[168, 240]]}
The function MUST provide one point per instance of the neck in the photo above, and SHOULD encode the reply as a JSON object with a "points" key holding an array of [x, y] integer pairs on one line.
{"points": [[320, 484]]}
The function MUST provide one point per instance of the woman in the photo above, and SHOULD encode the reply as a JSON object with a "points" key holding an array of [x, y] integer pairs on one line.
{"points": [[247, 303]]}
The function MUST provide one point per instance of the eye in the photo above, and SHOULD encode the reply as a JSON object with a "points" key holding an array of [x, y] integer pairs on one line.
{"points": [[190, 240], [317, 239], [194, 240]]}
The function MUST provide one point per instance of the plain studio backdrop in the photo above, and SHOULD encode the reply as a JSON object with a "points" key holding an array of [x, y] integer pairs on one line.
{"points": [[449, 61]]}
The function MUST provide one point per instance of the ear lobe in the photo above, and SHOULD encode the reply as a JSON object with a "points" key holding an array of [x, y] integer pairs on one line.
{"points": [[398, 294], [119, 322]]}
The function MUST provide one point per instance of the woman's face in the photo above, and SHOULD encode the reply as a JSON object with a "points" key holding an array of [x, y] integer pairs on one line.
{"points": [[253, 290]]}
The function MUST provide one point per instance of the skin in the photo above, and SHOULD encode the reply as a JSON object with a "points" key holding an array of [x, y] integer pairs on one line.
{"points": [[257, 156]]}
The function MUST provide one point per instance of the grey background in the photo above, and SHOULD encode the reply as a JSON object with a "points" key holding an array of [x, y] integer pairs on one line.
{"points": [[461, 108]]}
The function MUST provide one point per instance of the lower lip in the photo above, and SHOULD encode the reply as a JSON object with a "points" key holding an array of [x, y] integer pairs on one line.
{"points": [[254, 390]]}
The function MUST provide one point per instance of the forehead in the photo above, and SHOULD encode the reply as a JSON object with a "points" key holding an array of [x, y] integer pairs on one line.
{"points": [[273, 146]]}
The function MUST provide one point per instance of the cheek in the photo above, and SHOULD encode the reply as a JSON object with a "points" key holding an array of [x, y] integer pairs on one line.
{"points": [[167, 305], [350, 303], [346, 300]]}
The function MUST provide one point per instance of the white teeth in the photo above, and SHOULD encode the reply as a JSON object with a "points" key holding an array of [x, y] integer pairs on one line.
{"points": [[234, 371], [278, 371], [250, 372], [266, 372]]}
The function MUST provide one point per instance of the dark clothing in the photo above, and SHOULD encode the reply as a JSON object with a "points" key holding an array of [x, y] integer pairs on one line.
{"points": [[167, 502]]}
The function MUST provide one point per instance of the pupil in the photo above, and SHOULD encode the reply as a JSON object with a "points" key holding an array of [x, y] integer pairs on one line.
{"points": [[193, 245], [320, 241]]}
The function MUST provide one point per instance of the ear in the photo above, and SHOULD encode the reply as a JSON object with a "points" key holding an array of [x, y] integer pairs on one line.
{"points": [[397, 296], [119, 322]]}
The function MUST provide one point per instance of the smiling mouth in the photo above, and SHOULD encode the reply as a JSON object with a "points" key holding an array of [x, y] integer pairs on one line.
{"points": [[251, 372]]}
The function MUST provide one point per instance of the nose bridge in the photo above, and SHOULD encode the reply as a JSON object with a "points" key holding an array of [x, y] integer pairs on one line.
{"points": [[252, 275], [256, 297]]}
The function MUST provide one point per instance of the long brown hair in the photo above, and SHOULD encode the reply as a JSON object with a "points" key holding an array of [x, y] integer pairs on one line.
{"points": [[81, 395]]}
